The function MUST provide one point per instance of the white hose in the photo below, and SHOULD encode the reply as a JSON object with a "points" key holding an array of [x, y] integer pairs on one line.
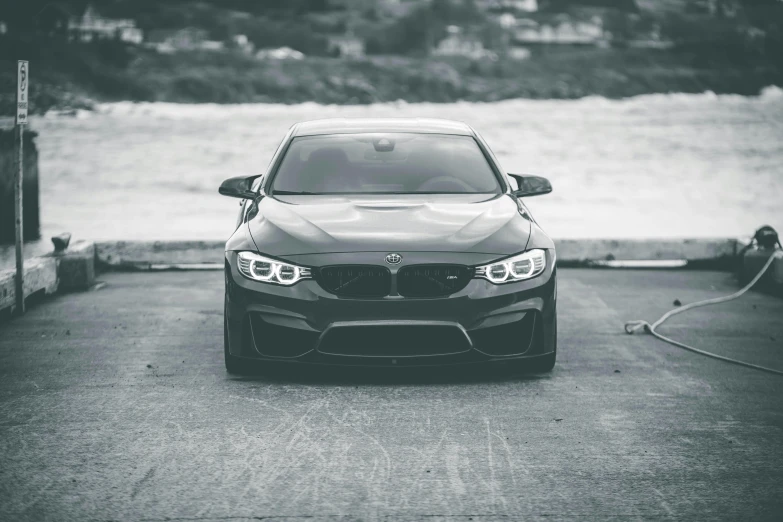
{"points": [[634, 326]]}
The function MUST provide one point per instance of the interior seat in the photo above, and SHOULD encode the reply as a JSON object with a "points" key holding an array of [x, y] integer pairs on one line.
{"points": [[327, 170]]}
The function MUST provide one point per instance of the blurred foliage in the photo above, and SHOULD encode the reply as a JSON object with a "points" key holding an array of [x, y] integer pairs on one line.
{"points": [[62, 78], [564, 5], [738, 53], [415, 26], [422, 28]]}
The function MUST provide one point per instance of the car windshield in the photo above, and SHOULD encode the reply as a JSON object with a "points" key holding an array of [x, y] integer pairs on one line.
{"points": [[384, 163]]}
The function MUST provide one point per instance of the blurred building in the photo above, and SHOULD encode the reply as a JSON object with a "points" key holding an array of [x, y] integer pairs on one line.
{"points": [[169, 41], [719, 8], [525, 6], [630, 6], [281, 53], [346, 46], [519, 53], [90, 25], [459, 43], [84, 24], [560, 29], [242, 43]]}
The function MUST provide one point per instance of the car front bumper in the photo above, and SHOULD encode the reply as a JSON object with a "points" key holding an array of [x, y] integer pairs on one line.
{"points": [[305, 323]]}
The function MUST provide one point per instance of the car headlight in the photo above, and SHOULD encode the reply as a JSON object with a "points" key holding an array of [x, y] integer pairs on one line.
{"points": [[518, 268], [260, 268]]}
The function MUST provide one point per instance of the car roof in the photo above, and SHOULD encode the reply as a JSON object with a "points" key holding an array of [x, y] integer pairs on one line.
{"points": [[365, 125]]}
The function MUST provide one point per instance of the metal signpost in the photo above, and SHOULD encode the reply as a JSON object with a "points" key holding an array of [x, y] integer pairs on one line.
{"points": [[22, 84]]}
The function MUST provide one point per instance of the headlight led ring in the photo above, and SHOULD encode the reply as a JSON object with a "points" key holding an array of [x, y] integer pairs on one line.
{"points": [[260, 268], [526, 265]]}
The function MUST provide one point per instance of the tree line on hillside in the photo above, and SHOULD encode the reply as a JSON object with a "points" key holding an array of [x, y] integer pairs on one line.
{"points": [[738, 53], [415, 27]]}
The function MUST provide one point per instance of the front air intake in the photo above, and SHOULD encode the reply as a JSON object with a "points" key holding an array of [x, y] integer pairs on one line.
{"points": [[432, 280], [394, 340], [507, 339]]}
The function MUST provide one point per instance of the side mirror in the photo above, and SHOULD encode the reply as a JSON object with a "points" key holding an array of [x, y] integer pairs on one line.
{"points": [[531, 185], [239, 187]]}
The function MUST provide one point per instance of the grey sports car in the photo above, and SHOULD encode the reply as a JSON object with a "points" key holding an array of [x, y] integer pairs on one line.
{"points": [[388, 242]]}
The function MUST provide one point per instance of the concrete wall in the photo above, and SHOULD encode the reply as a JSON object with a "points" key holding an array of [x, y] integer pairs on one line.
{"points": [[75, 267], [31, 201]]}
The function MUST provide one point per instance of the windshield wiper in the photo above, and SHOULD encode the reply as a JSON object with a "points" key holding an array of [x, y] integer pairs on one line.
{"points": [[293, 193]]}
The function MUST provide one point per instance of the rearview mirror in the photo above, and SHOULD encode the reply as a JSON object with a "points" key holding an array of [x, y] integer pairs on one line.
{"points": [[239, 187], [531, 185]]}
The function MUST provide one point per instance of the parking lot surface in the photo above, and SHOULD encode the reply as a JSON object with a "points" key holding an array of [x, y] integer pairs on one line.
{"points": [[115, 405]]}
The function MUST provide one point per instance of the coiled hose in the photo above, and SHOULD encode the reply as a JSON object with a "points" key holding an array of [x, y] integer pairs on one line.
{"points": [[634, 326]]}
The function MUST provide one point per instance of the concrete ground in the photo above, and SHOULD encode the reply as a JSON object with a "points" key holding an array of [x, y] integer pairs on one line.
{"points": [[114, 405]]}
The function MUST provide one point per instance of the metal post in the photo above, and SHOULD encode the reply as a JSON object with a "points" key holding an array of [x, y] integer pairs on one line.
{"points": [[18, 193], [22, 101]]}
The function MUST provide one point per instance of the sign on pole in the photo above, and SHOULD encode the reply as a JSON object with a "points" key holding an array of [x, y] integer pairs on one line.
{"points": [[22, 83]]}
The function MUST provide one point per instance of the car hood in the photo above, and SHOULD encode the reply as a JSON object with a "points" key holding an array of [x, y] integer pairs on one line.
{"points": [[476, 223]]}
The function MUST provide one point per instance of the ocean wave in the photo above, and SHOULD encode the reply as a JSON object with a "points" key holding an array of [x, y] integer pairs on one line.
{"points": [[773, 92], [167, 110], [662, 165]]}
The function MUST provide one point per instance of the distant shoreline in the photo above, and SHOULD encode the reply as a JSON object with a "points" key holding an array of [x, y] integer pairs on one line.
{"points": [[231, 78], [129, 106]]}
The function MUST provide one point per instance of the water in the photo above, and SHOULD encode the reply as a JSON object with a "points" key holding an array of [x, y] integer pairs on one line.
{"points": [[665, 166]]}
